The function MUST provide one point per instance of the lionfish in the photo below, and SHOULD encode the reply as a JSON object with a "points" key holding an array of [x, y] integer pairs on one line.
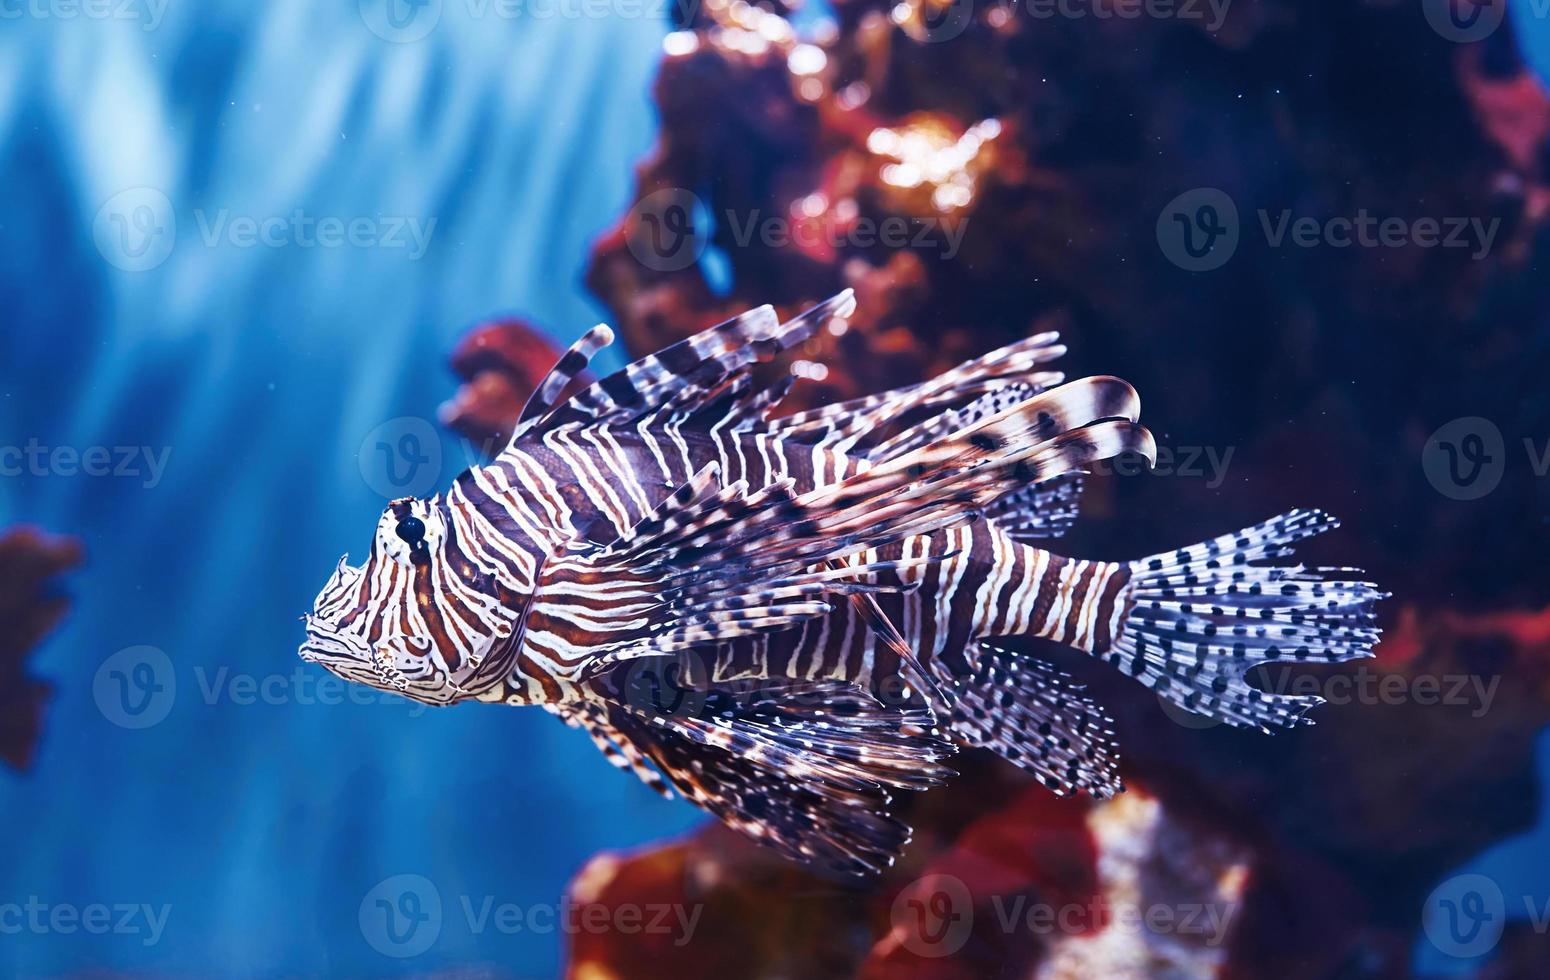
{"points": [[831, 588]]}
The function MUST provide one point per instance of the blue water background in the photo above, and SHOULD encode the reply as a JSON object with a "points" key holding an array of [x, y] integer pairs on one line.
{"points": [[262, 371]]}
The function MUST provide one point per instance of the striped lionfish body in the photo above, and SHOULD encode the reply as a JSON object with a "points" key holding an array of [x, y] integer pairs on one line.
{"points": [[821, 593]]}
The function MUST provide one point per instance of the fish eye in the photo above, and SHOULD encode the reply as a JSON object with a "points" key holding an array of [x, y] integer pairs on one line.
{"points": [[411, 530]]}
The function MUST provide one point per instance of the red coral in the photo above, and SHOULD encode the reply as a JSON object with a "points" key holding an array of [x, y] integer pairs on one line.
{"points": [[29, 610], [1321, 370], [501, 363]]}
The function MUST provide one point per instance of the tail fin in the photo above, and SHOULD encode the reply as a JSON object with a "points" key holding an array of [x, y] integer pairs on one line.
{"points": [[1194, 622]]}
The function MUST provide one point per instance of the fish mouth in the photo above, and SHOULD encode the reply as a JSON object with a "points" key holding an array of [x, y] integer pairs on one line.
{"points": [[340, 653], [351, 658]]}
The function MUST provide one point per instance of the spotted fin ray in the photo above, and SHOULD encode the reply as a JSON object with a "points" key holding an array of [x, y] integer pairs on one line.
{"points": [[807, 769], [1038, 511], [1035, 717], [866, 426], [567, 369], [693, 370], [620, 752]]}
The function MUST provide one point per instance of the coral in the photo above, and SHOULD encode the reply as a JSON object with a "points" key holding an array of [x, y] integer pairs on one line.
{"points": [[1045, 155], [1028, 887], [29, 610], [499, 363]]}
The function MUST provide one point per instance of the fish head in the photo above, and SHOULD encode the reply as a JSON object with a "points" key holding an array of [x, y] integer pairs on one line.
{"points": [[418, 618]]}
